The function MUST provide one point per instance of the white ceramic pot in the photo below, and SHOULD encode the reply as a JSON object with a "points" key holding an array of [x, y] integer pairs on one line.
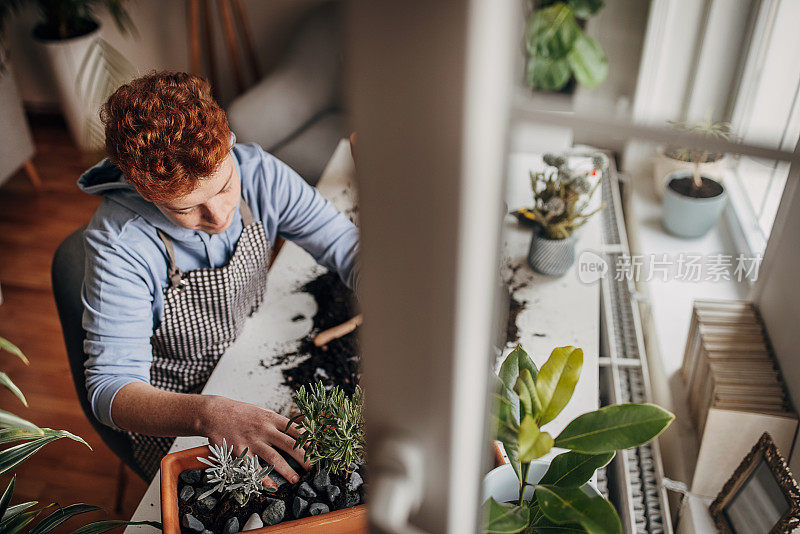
{"points": [[663, 166], [65, 58], [502, 484], [16, 143]]}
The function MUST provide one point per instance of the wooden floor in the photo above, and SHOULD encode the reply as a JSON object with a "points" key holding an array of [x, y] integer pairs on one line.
{"points": [[32, 224]]}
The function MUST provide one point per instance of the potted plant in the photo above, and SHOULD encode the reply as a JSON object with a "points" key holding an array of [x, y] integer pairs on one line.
{"points": [[562, 199], [694, 197], [27, 439], [223, 492], [671, 159], [535, 496], [558, 50], [69, 34]]}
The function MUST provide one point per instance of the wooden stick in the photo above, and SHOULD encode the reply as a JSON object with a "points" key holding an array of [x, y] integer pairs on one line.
{"points": [[326, 336], [33, 175], [230, 41]]}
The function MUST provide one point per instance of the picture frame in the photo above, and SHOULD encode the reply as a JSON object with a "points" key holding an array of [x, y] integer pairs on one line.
{"points": [[761, 496]]}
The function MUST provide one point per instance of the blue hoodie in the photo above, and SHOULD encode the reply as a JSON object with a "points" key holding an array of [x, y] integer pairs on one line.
{"points": [[126, 262]]}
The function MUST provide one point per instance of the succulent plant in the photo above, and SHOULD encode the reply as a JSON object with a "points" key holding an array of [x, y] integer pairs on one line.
{"points": [[333, 427], [241, 476]]}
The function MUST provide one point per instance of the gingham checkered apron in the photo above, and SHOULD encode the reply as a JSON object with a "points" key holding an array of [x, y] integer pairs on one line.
{"points": [[204, 311]]}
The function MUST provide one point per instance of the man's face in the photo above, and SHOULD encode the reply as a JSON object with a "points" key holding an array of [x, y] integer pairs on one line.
{"points": [[210, 207]]}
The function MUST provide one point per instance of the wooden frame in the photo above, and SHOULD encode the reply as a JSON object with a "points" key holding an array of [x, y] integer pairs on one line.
{"points": [[765, 449]]}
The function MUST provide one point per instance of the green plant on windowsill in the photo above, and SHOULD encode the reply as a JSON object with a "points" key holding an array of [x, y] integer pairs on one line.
{"points": [[558, 49], [30, 438], [529, 398]]}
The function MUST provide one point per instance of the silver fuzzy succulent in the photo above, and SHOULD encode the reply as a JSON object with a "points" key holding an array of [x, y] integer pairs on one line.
{"points": [[233, 474], [581, 185], [554, 207]]}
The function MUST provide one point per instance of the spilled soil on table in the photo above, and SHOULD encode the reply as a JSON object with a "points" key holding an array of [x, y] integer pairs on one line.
{"points": [[337, 363]]}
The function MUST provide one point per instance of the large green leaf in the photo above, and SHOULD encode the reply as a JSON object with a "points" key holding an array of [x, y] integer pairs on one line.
{"points": [[551, 32], [584, 9], [533, 443], [9, 435], [104, 526], [11, 457], [614, 427], [556, 382], [6, 381], [574, 469], [13, 349], [545, 526], [571, 505], [6, 498], [9, 420], [525, 388], [547, 74], [507, 425], [514, 364], [503, 517], [588, 61], [59, 516]]}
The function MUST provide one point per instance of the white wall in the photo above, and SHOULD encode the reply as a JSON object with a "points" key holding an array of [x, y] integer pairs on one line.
{"points": [[162, 42]]}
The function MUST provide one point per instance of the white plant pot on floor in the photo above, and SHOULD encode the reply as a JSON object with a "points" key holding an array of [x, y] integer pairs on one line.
{"points": [[16, 143], [502, 484], [65, 58]]}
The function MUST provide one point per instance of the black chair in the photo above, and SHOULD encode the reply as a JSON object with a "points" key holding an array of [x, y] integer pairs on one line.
{"points": [[67, 277]]}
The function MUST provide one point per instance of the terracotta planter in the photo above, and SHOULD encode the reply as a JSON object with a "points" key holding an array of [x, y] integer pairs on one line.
{"points": [[344, 521]]}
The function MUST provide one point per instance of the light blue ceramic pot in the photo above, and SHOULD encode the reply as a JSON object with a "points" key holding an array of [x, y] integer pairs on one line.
{"points": [[687, 216]]}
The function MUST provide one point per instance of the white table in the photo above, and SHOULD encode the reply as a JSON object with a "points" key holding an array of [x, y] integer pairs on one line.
{"points": [[269, 332], [558, 311]]}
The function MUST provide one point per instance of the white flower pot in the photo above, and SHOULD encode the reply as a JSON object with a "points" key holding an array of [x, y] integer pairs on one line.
{"points": [[65, 58], [663, 166], [502, 484], [16, 143]]}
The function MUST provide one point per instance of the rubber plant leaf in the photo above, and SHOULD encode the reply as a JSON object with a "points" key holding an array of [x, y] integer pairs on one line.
{"points": [[583, 9], [547, 74], [574, 469], [104, 526], [13, 349], [6, 497], [572, 505], [551, 32], [9, 420], [588, 61], [6, 381], [533, 443], [504, 517], [556, 382], [516, 361], [614, 427], [525, 388], [544, 526], [507, 424], [59, 516]]}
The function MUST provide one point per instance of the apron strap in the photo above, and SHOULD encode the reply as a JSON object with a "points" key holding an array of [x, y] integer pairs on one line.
{"points": [[175, 274]]}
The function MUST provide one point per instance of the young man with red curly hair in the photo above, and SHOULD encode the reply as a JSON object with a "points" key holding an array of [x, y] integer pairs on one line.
{"points": [[177, 258]]}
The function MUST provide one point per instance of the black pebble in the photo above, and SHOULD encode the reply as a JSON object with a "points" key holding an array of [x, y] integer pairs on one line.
{"points": [[192, 523], [187, 493], [318, 508], [321, 480], [299, 507], [333, 493], [306, 491], [231, 526], [274, 512], [191, 476], [351, 499]]}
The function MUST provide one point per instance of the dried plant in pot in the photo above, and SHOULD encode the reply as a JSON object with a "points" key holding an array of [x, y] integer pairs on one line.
{"points": [[531, 495], [562, 199], [694, 198], [223, 492]]}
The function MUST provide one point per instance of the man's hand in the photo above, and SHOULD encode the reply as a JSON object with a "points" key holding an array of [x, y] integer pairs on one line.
{"points": [[258, 429]]}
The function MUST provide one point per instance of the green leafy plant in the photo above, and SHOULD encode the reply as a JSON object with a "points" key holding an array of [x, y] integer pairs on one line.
{"points": [[332, 427], [240, 476], [29, 439], [561, 196], [527, 399], [708, 128], [557, 47]]}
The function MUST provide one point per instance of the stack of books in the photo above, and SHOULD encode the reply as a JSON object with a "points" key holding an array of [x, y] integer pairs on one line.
{"points": [[734, 389]]}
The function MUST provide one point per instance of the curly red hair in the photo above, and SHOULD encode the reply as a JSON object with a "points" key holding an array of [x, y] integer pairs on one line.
{"points": [[165, 131]]}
